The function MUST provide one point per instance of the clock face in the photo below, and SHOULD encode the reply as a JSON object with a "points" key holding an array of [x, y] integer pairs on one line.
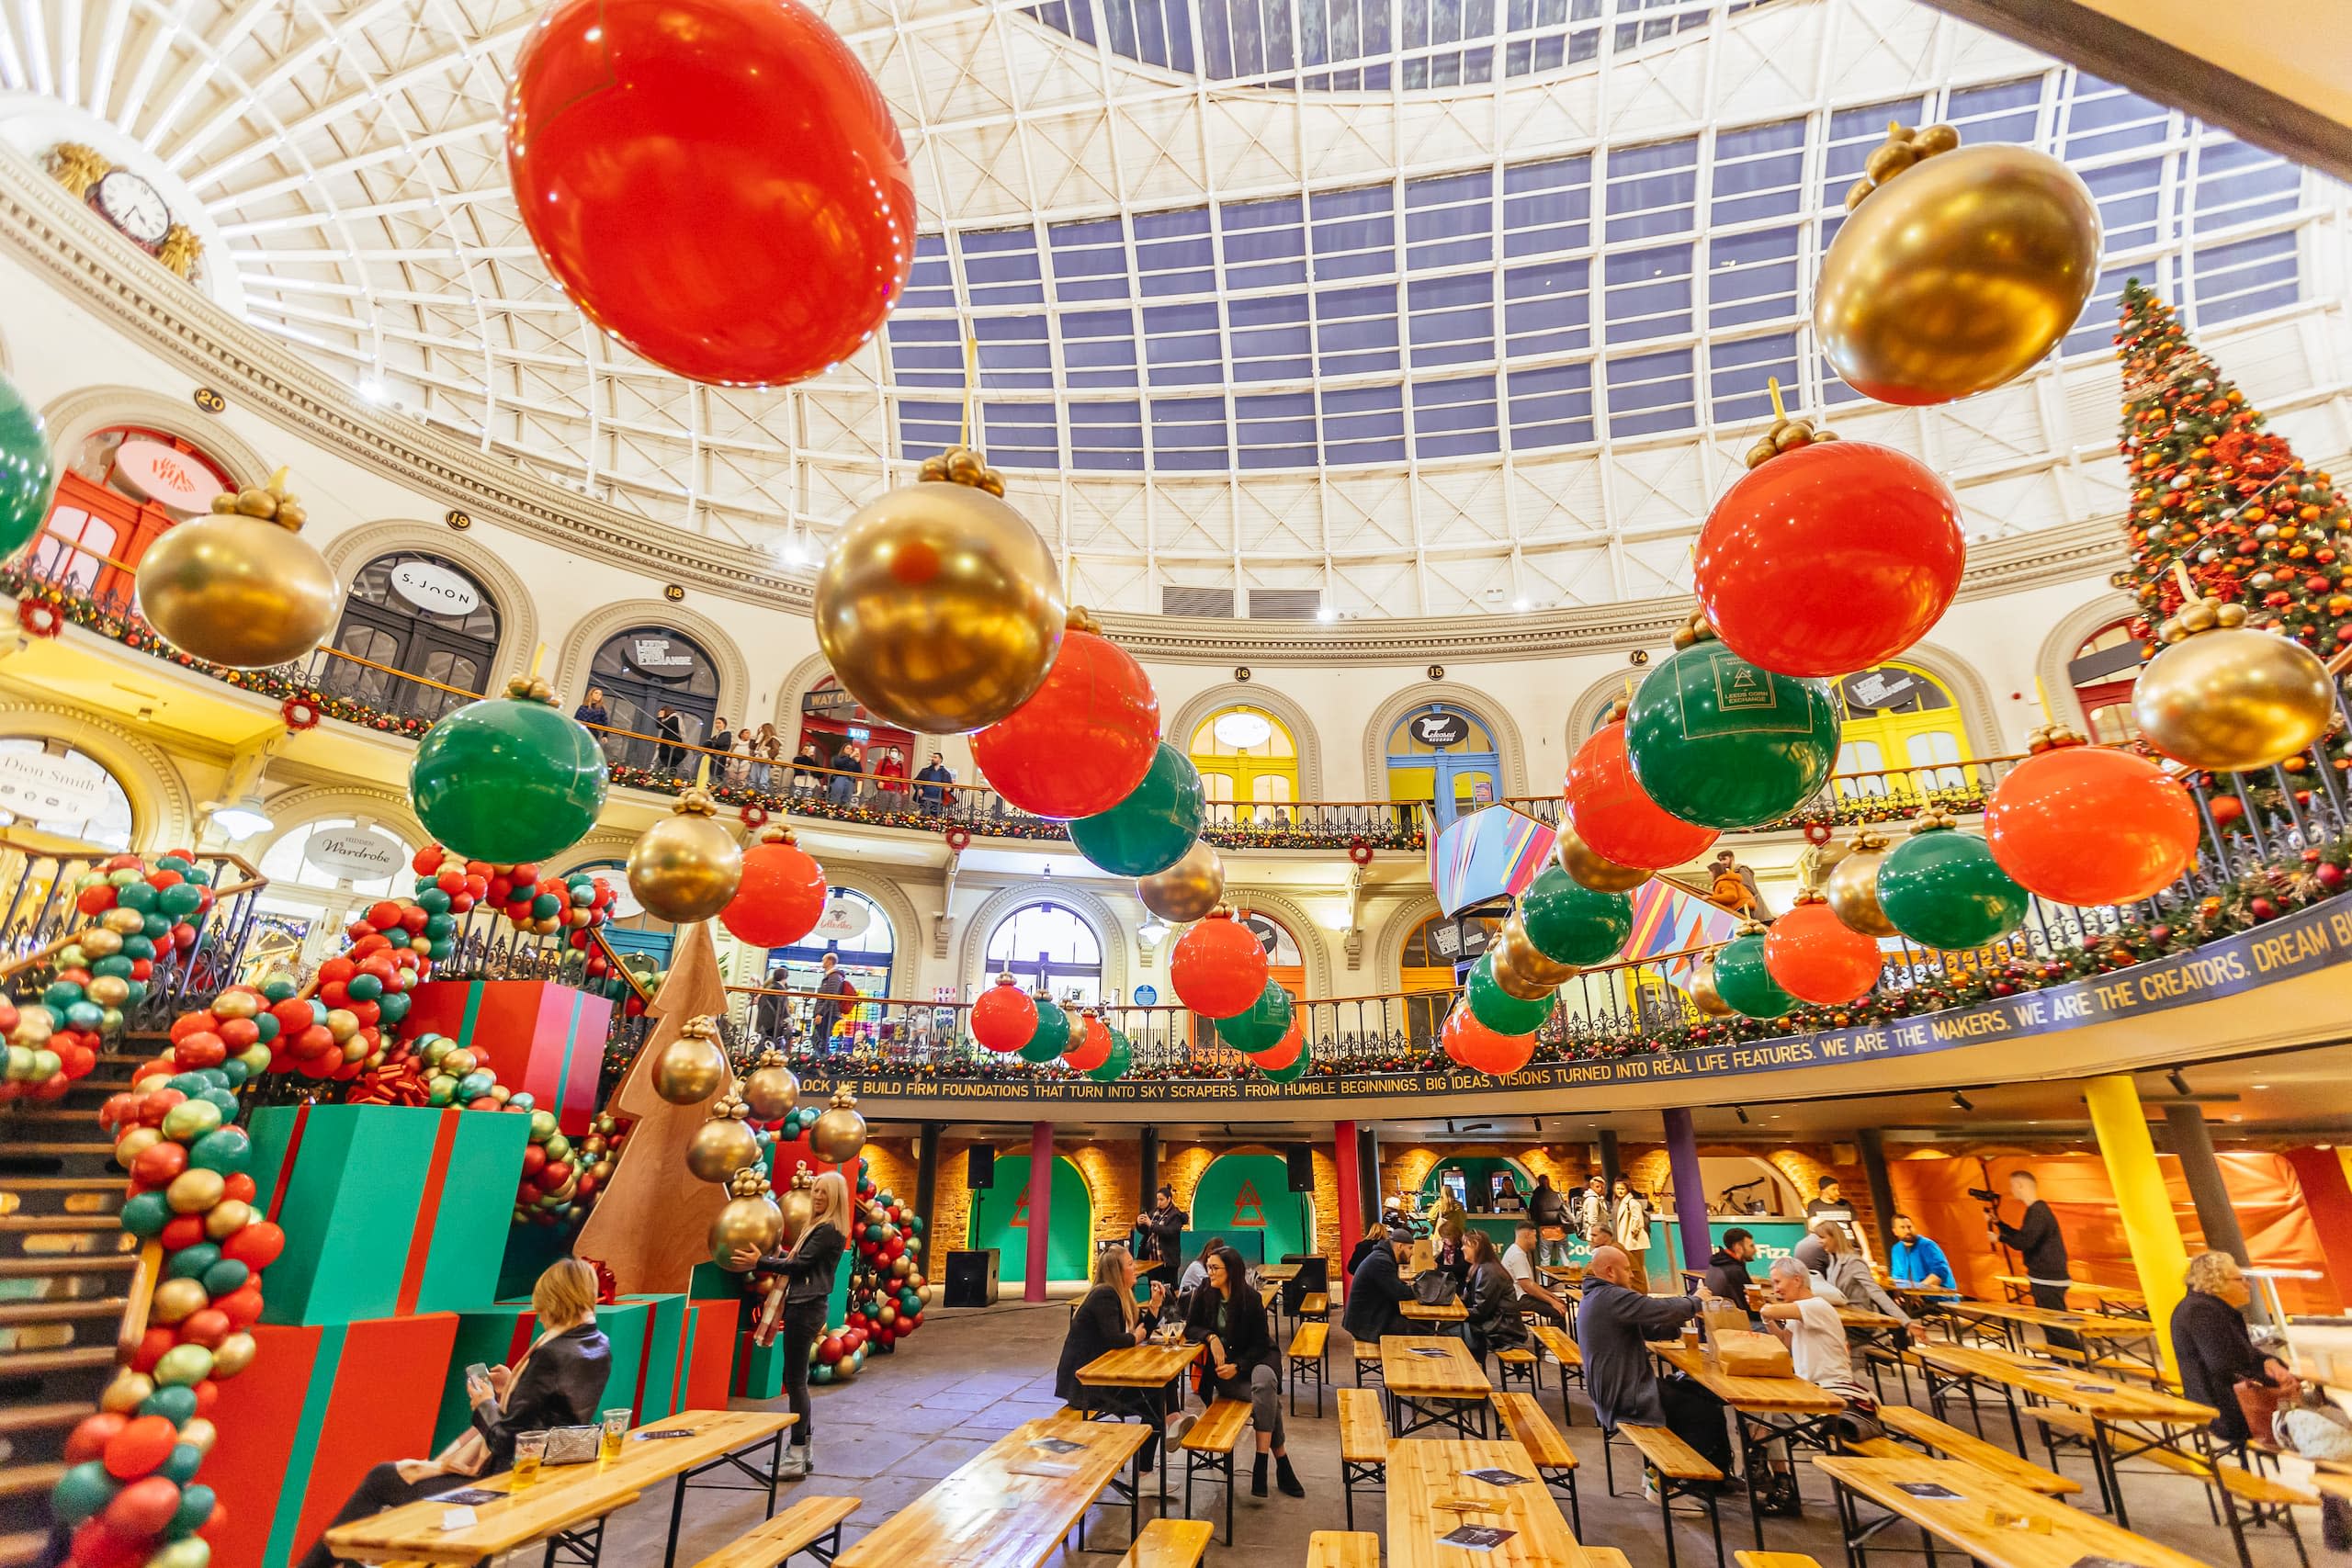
{"points": [[131, 205]]}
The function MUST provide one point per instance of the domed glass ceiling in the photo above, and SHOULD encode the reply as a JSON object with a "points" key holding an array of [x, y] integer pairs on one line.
{"points": [[1278, 307]]}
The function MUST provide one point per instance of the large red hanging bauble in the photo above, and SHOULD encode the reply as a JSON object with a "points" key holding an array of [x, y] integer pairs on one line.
{"points": [[1481, 1050], [1090, 1045], [781, 895], [1616, 817], [1218, 967], [1286, 1050], [1829, 558], [1005, 1017], [2085, 825], [1814, 958], [716, 182], [1084, 742]]}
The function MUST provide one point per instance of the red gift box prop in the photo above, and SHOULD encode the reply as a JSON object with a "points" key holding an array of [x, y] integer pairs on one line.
{"points": [[542, 1038]]}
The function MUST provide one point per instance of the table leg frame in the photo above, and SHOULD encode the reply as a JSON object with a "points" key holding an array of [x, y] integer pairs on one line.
{"points": [[765, 1481]]}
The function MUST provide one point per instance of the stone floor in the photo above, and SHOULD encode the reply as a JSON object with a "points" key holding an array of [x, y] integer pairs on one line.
{"points": [[969, 1376]]}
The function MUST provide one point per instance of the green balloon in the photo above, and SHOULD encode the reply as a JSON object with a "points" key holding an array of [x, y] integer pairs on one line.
{"points": [[1115, 1066], [144, 1215], [82, 1492], [508, 780], [1050, 1038], [1717, 741], [1745, 984], [224, 1149], [1261, 1025], [1943, 889], [27, 471], [1569, 923], [1497, 1009], [1150, 830], [1291, 1074]]}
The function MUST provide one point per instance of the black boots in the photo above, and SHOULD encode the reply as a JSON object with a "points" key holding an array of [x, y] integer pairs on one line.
{"points": [[1286, 1478], [1258, 1477]]}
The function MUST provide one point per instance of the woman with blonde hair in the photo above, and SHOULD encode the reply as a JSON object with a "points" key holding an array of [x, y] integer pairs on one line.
{"points": [[560, 1382], [808, 1266], [1108, 1318]]}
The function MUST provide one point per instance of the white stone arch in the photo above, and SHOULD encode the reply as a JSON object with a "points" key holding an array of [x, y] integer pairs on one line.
{"points": [[1584, 714], [1314, 950], [1512, 752], [292, 810], [909, 932], [1388, 968], [805, 677], [2073, 630], [590, 631], [971, 955], [518, 614], [601, 847], [163, 806], [1969, 696], [1178, 732], [72, 417]]}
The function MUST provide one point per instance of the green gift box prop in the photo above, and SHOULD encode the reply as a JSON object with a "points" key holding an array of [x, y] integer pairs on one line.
{"points": [[388, 1210], [541, 1038], [498, 1335], [659, 1356], [759, 1369]]}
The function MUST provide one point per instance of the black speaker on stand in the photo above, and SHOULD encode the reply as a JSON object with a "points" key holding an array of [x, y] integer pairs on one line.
{"points": [[980, 1167], [1302, 1168], [971, 1278]]}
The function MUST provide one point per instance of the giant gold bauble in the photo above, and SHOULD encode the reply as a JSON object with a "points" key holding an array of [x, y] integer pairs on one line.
{"points": [[1852, 887], [1521, 969], [685, 867], [798, 1206], [2232, 698], [1589, 867], [1188, 890], [755, 1222], [691, 1068], [720, 1148], [1703, 993], [939, 607], [239, 590], [1957, 274], [769, 1089], [839, 1133]]}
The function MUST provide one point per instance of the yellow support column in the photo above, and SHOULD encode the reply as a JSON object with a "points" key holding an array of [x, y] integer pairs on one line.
{"points": [[2149, 1224]]}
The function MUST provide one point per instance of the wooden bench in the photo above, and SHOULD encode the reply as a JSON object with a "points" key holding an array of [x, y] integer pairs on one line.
{"points": [[1310, 1357], [1345, 1548], [1681, 1471], [1773, 1560], [1607, 1557], [1316, 1303], [1515, 1365], [1555, 1462], [812, 1525], [1565, 1353], [1939, 1437], [1879, 1357], [1208, 1450], [2267, 1499], [1367, 1359], [1363, 1444], [1168, 1543]]}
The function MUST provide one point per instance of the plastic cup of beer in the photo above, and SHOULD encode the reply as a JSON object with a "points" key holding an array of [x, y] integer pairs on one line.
{"points": [[530, 1447], [608, 1446]]}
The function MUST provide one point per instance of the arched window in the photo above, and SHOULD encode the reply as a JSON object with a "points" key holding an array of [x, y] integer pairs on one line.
{"points": [[1248, 763], [832, 718], [1446, 756], [644, 671], [1897, 718], [859, 935], [421, 614], [51, 787], [2103, 671], [123, 489], [343, 854], [1048, 944], [1436, 952]]}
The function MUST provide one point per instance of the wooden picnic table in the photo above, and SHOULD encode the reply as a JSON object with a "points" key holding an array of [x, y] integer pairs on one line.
{"points": [[565, 1497], [2014, 1318], [1143, 1372], [1970, 1519], [1278, 1274], [1433, 1380], [2118, 1295], [1771, 1410], [1423, 1311], [1011, 1506], [1431, 1494]]}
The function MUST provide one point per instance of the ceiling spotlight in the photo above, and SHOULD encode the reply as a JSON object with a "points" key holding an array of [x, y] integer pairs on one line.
{"points": [[2179, 1084], [240, 818], [1327, 614], [371, 389], [1960, 1100], [1519, 604]]}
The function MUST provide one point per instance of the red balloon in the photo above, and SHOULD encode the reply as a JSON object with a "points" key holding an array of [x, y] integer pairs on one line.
{"points": [[1481, 1050], [781, 895], [255, 1243], [1283, 1052], [1094, 1047], [1218, 968], [90, 1436], [144, 1442], [1005, 1017], [143, 1508], [1614, 814], [1818, 958], [1084, 741], [2085, 825], [717, 183], [1829, 558]]}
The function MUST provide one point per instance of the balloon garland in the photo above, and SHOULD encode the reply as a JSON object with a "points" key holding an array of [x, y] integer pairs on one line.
{"points": [[886, 1288]]}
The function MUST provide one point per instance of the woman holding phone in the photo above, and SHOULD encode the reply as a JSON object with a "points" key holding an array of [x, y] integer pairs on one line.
{"points": [[808, 1266]]}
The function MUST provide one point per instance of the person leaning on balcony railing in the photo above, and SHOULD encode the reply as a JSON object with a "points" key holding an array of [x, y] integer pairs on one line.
{"points": [[592, 710], [931, 784], [849, 768], [767, 751], [807, 779]]}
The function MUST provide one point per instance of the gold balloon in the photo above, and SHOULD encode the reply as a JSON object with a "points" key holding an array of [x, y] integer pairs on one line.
{"points": [[939, 607], [1188, 890], [174, 1299], [692, 1067], [720, 1148], [839, 1133], [233, 1355], [2234, 698], [1522, 970], [239, 591], [685, 867], [1588, 868], [1852, 888], [798, 1207], [130, 1390], [1957, 274], [755, 1222], [770, 1088], [1703, 993]]}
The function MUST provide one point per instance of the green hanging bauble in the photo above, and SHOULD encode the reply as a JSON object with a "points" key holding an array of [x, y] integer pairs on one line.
{"points": [[1717, 741], [1291, 1074], [1942, 889], [509, 779], [1051, 1037], [1497, 1009], [1148, 831], [1115, 1066], [1261, 1025], [27, 471], [1569, 923], [1742, 982]]}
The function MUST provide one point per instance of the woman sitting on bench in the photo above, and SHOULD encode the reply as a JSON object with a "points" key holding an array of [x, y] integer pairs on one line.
{"points": [[1229, 1318], [1107, 1319]]}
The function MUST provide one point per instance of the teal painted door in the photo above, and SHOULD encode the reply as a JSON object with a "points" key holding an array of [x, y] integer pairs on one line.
{"points": [[1250, 1195], [1001, 1219]]}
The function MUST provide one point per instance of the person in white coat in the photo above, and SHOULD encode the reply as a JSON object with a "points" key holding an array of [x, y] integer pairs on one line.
{"points": [[1629, 1222]]}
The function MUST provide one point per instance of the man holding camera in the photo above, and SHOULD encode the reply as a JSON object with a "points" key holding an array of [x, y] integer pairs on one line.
{"points": [[2037, 1239]]}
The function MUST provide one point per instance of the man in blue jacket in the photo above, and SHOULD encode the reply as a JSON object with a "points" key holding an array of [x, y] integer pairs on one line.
{"points": [[1916, 1259]]}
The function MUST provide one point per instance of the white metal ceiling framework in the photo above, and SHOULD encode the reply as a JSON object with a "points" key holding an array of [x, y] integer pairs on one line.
{"points": [[1283, 328]]}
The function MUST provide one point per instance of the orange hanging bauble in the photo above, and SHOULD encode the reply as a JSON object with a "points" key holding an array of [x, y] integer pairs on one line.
{"points": [[1616, 817], [1218, 968], [1005, 1017], [1814, 958], [1082, 743], [1089, 1044], [781, 895], [1282, 1052], [2084, 825], [1481, 1050]]}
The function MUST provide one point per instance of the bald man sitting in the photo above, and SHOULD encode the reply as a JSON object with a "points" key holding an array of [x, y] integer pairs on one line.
{"points": [[1615, 1324]]}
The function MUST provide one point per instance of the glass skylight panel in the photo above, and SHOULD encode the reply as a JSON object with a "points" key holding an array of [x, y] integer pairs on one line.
{"points": [[1181, 348], [1452, 319], [931, 282], [1552, 407], [1001, 266], [1089, 260], [1106, 435], [1548, 308], [1750, 277], [2103, 118], [2241, 184], [1647, 292], [1098, 348], [1353, 232], [1758, 174], [926, 352], [1449, 221], [1651, 393], [2005, 111], [1265, 244], [1013, 353], [2242, 278], [1276, 430], [926, 428], [1190, 433], [1173, 252], [1272, 337], [1455, 417], [1022, 435], [1547, 207], [1652, 190], [1355, 330], [1739, 371], [1363, 425], [2129, 197]]}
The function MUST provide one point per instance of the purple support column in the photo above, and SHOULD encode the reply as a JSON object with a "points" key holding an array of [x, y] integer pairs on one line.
{"points": [[1689, 1195], [1041, 1206]]}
